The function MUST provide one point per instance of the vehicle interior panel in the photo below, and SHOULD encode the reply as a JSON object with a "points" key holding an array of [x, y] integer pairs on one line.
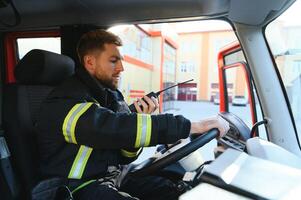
{"points": [[244, 166], [259, 180]]}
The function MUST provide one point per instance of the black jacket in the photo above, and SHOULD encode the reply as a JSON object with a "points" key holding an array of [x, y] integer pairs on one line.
{"points": [[84, 127]]}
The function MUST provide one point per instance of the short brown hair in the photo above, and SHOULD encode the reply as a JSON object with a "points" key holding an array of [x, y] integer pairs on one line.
{"points": [[95, 40]]}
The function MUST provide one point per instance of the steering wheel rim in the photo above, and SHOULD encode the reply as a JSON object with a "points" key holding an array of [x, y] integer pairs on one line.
{"points": [[176, 155]]}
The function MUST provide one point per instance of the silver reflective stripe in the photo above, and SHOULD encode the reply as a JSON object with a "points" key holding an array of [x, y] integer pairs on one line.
{"points": [[80, 162], [143, 130]]}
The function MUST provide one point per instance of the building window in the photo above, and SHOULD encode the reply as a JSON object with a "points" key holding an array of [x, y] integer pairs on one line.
{"points": [[136, 43], [187, 67], [169, 76], [214, 85]]}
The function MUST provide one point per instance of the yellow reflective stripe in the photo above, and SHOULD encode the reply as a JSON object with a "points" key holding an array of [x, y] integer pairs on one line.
{"points": [[71, 120], [82, 185], [144, 130], [83, 108], [67, 119], [148, 130], [130, 154], [80, 162]]}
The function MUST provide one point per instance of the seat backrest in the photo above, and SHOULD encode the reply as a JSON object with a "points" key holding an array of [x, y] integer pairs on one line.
{"points": [[37, 73]]}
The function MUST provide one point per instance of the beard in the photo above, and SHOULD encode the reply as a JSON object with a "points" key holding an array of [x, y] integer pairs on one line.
{"points": [[108, 82]]}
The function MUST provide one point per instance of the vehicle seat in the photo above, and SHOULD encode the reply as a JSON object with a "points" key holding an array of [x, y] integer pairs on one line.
{"points": [[37, 73]]}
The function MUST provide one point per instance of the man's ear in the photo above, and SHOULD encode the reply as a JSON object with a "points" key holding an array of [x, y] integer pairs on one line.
{"points": [[90, 63]]}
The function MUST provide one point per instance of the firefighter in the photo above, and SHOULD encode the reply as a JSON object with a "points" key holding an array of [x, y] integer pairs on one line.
{"points": [[86, 130]]}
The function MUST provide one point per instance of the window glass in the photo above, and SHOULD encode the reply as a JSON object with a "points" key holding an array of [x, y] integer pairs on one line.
{"points": [[174, 53], [234, 58], [136, 42], [261, 129], [238, 91], [161, 55], [238, 97], [283, 36], [52, 44]]}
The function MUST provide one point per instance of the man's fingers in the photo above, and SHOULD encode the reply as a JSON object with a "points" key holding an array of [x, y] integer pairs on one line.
{"points": [[223, 126], [151, 104], [221, 131], [155, 100], [144, 105], [137, 107], [212, 122], [148, 105]]}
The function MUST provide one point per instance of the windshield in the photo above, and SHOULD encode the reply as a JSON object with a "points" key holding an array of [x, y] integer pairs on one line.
{"points": [[157, 56], [283, 36]]}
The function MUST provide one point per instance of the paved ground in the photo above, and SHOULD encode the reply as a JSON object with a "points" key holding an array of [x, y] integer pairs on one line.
{"points": [[199, 110], [196, 111]]}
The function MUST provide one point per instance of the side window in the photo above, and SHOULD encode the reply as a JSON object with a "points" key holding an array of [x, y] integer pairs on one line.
{"points": [[24, 45], [238, 94], [283, 36], [261, 129], [17, 44], [241, 94]]}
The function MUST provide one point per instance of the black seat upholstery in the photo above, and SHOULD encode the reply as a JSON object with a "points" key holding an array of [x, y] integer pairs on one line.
{"points": [[36, 74]]}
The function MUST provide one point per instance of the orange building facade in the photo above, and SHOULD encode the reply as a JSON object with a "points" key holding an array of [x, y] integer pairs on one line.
{"points": [[157, 56]]}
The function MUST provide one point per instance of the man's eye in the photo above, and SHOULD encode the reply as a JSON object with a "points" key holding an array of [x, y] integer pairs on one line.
{"points": [[114, 61]]}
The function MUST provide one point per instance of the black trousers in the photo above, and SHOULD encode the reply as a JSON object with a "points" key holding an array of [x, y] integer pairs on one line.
{"points": [[146, 188]]}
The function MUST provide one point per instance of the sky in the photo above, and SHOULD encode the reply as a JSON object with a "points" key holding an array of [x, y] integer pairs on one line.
{"points": [[292, 15]]}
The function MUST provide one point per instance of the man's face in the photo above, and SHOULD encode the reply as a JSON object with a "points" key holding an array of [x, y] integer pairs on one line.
{"points": [[105, 66]]}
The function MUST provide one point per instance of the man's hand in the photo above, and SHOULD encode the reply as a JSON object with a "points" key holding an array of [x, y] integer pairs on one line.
{"points": [[210, 123], [148, 106]]}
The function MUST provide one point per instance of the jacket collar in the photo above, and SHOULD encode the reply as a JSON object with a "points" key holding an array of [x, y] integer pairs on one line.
{"points": [[96, 89], [103, 95]]}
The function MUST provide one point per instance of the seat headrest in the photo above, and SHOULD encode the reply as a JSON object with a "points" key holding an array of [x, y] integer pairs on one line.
{"points": [[40, 67]]}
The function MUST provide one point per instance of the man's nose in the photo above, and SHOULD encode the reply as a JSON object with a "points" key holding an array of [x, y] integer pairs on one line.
{"points": [[119, 67]]}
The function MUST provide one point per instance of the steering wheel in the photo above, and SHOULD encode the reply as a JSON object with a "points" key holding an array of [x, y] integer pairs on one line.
{"points": [[238, 134], [170, 158]]}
